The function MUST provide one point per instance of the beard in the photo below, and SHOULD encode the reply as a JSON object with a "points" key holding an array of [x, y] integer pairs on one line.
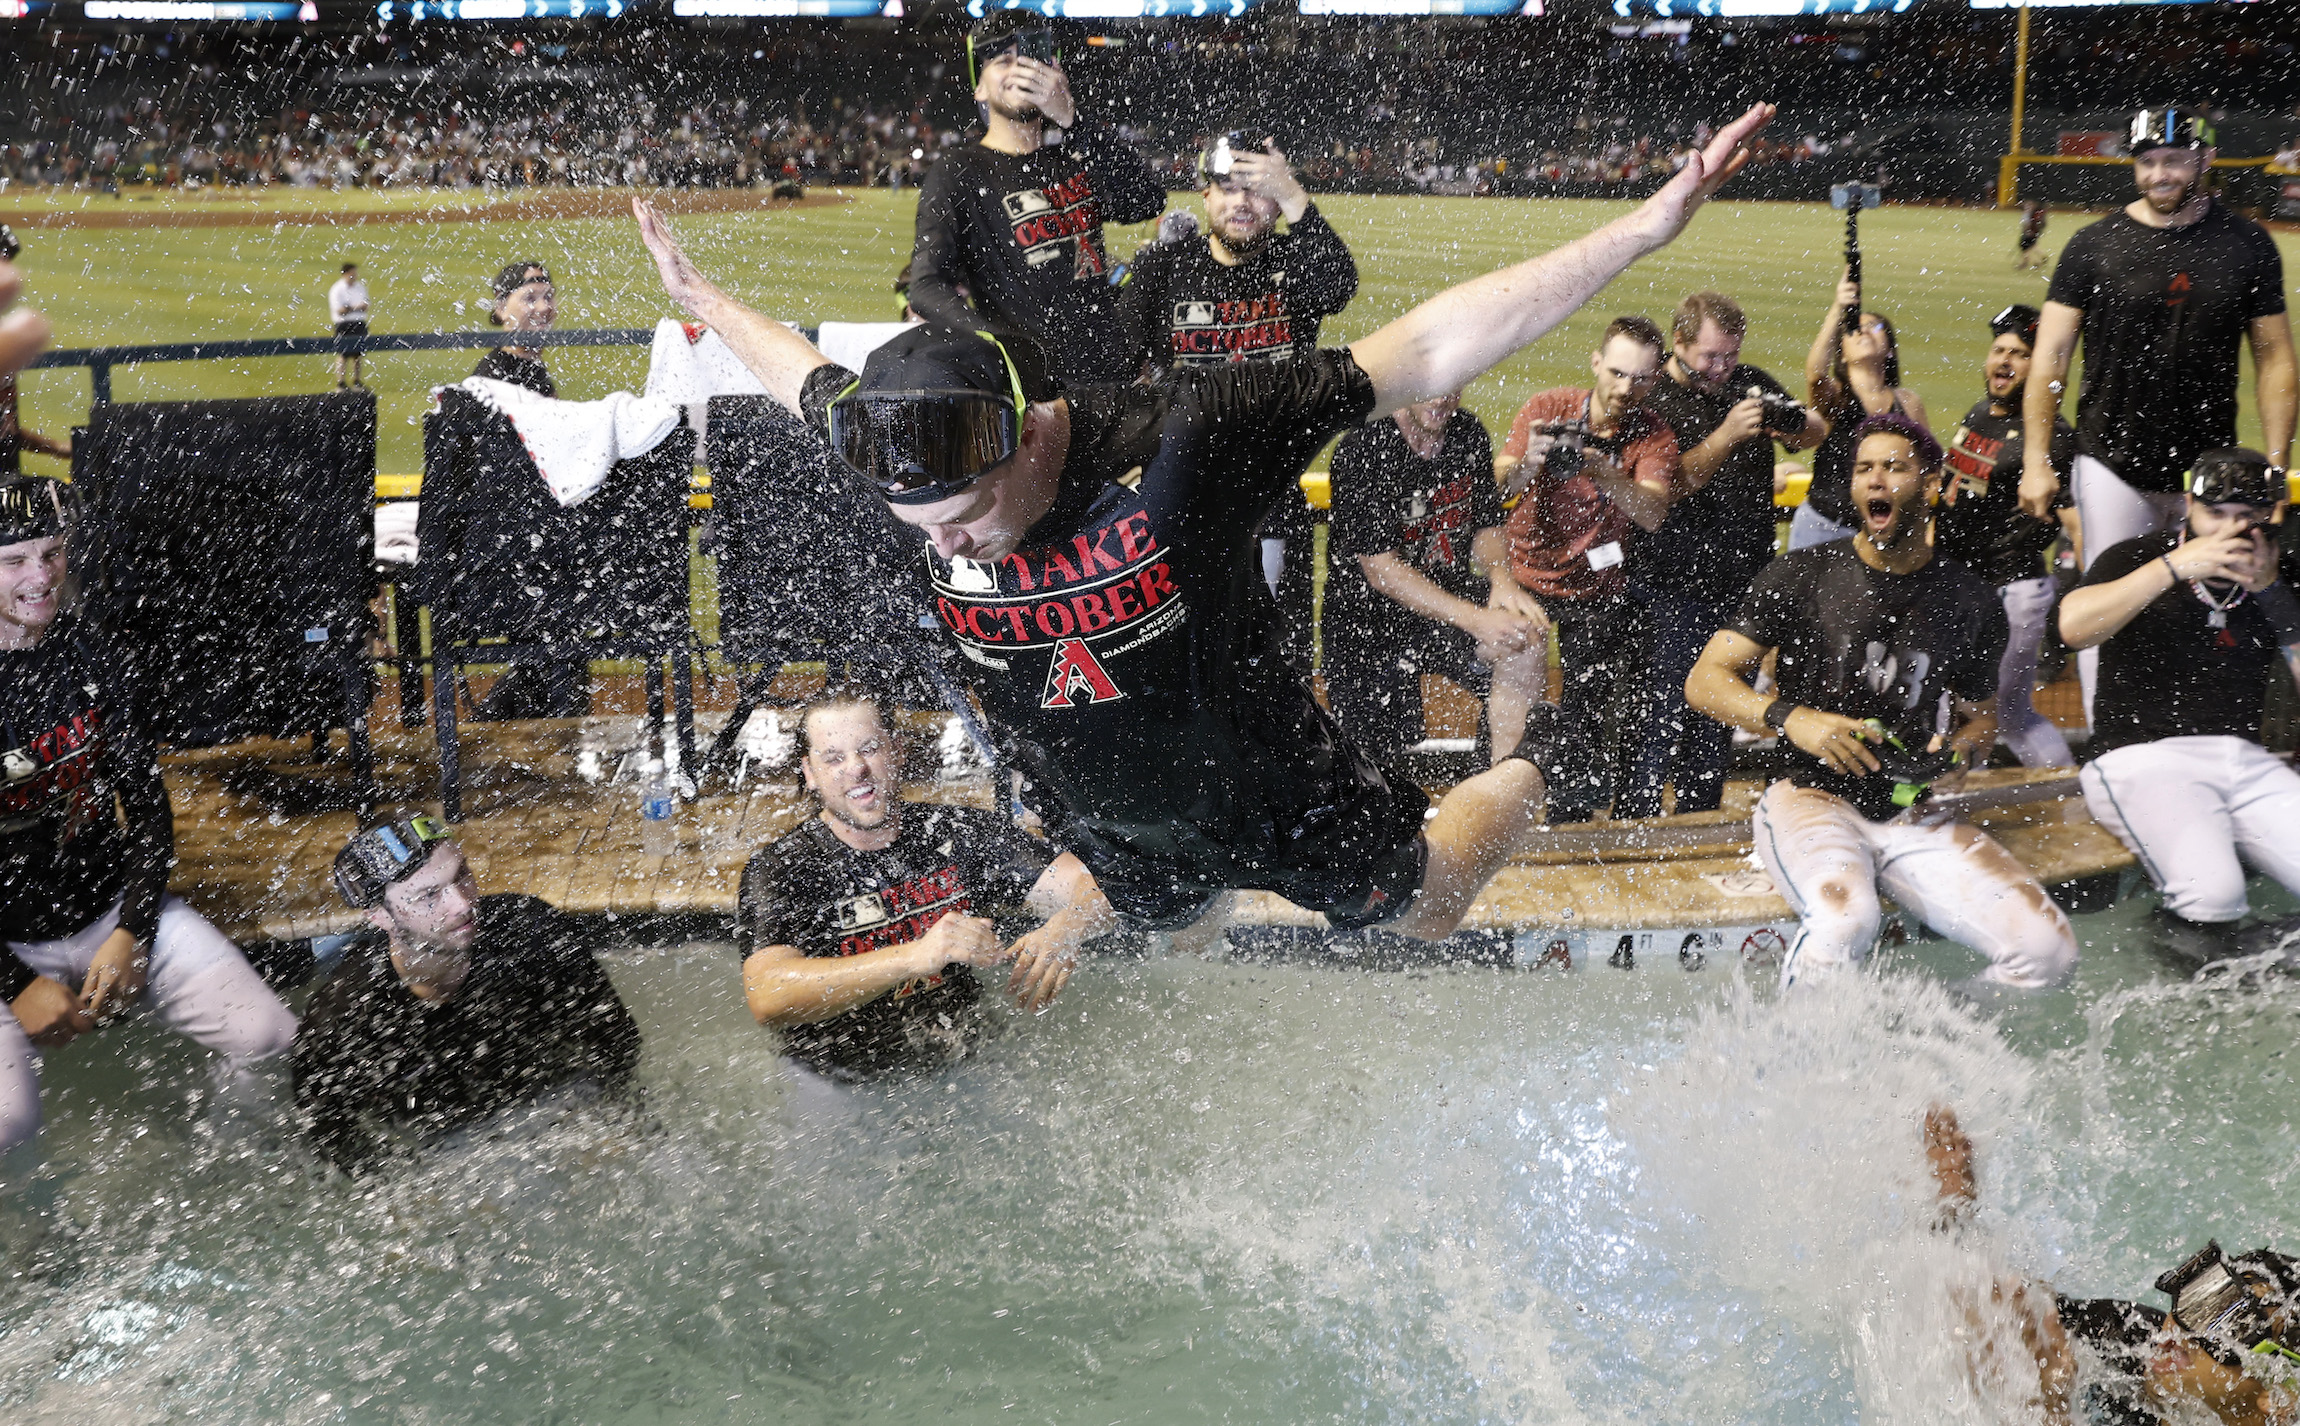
{"points": [[1015, 112], [1248, 245], [2187, 194]]}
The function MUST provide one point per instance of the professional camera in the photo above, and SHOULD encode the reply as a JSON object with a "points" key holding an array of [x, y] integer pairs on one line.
{"points": [[1565, 453], [1784, 417]]}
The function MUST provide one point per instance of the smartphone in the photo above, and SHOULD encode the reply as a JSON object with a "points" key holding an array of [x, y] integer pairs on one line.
{"points": [[1036, 44]]}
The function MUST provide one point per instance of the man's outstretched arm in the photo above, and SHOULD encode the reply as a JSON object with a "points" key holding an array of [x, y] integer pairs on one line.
{"points": [[1464, 332], [779, 357]]}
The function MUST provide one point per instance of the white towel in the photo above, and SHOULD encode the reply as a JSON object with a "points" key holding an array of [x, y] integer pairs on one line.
{"points": [[395, 541], [851, 343], [575, 443], [691, 364]]}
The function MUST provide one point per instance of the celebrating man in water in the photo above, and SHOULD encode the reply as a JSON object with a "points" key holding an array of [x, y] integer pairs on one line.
{"points": [[1873, 631], [862, 928], [1086, 564]]}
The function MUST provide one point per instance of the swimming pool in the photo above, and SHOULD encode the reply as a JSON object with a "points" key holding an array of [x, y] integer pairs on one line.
{"points": [[1194, 1191]]}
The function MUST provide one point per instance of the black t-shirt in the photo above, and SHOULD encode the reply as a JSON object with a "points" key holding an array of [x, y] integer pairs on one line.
{"points": [[1715, 539], [810, 890], [68, 745], [1022, 234], [374, 1061], [1980, 524], [1866, 644], [1831, 493], [1388, 499], [2169, 673], [1189, 310], [1131, 656], [2165, 316], [504, 364]]}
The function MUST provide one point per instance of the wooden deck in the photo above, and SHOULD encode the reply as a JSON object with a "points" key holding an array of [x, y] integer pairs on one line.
{"points": [[258, 824]]}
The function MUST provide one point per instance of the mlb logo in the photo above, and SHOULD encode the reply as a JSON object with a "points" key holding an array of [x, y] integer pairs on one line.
{"points": [[860, 913], [1022, 205], [1193, 314]]}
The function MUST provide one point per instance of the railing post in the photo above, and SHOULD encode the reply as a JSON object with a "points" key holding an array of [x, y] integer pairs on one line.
{"points": [[100, 378]]}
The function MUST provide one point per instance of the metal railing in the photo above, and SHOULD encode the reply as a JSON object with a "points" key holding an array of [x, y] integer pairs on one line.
{"points": [[101, 360]]}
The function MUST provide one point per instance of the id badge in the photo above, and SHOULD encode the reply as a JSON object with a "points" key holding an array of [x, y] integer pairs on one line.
{"points": [[1605, 556]]}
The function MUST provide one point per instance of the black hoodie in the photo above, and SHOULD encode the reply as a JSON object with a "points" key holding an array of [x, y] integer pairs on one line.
{"points": [[67, 748]]}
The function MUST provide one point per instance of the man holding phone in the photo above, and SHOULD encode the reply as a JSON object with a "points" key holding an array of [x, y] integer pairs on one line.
{"points": [[1014, 219], [2188, 622], [1243, 291]]}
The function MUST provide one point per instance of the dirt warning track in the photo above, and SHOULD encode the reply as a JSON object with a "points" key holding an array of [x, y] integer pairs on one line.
{"points": [[547, 204]]}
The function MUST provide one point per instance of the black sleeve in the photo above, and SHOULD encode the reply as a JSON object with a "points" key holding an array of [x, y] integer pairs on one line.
{"points": [[938, 266], [817, 390], [1130, 191], [1776, 603], [1262, 421], [2267, 296], [2119, 560], [1355, 523], [1142, 301], [601, 1020], [764, 916], [1485, 509], [2075, 277], [1320, 273]]}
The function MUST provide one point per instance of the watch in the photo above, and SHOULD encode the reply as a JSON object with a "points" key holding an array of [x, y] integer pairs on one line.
{"points": [[1777, 714]]}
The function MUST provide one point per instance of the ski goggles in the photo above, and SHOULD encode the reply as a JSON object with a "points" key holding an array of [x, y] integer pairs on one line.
{"points": [[920, 446], [2238, 477], [1217, 158], [2228, 1300], [2174, 126], [381, 857], [1035, 43], [30, 509]]}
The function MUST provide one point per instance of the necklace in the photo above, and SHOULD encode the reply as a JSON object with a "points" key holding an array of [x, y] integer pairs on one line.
{"points": [[2217, 618]]}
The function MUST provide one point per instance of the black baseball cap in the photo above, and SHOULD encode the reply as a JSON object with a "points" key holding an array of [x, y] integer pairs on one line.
{"points": [[2235, 476], [936, 408], [2020, 319], [31, 508]]}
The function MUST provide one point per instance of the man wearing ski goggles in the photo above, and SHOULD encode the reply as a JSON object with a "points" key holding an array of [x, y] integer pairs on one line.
{"points": [[917, 444]]}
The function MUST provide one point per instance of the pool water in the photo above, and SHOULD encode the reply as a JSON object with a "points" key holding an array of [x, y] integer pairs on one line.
{"points": [[1193, 1191]]}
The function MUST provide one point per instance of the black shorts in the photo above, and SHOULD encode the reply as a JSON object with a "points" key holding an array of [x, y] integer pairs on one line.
{"points": [[350, 338], [1373, 669]]}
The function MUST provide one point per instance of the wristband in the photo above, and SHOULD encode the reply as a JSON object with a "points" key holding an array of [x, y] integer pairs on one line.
{"points": [[2168, 569], [1777, 714]]}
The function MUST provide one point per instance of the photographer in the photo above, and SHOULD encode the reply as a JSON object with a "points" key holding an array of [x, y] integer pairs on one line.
{"points": [[1243, 291], [1849, 377], [1691, 572], [1983, 528], [1014, 220], [1590, 468], [1873, 633], [2189, 623]]}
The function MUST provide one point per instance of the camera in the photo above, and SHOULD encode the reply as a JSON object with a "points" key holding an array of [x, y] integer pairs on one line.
{"points": [[1565, 454], [1784, 417]]}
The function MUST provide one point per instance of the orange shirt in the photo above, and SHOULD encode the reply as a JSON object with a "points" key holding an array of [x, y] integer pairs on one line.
{"points": [[1565, 536]]}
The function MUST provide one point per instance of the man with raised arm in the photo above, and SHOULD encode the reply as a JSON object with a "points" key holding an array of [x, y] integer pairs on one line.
{"points": [[1085, 561], [1010, 225]]}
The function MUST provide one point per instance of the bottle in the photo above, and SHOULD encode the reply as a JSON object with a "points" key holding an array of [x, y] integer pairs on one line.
{"points": [[658, 833]]}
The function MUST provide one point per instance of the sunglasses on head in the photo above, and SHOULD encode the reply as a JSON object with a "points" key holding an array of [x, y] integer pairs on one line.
{"points": [[1036, 43]]}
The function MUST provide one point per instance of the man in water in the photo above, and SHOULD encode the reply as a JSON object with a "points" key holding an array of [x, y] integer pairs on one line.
{"points": [[2188, 624], [1014, 219], [1243, 291], [862, 928], [2232, 1324], [1983, 527], [1085, 561], [453, 1006], [1873, 633], [2162, 294], [88, 931], [1692, 572], [1419, 582]]}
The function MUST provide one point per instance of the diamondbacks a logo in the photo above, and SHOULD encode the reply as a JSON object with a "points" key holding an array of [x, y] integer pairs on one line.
{"points": [[1076, 676]]}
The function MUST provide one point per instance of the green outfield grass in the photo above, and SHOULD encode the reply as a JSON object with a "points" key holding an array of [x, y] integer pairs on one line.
{"points": [[1938, 273]]}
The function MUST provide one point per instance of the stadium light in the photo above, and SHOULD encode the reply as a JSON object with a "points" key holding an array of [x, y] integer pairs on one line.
{"points": [[779, 9], [178, 11], [1120, 9], [1751, 9], [23, 9], [479, 11], [1424, 7]]}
